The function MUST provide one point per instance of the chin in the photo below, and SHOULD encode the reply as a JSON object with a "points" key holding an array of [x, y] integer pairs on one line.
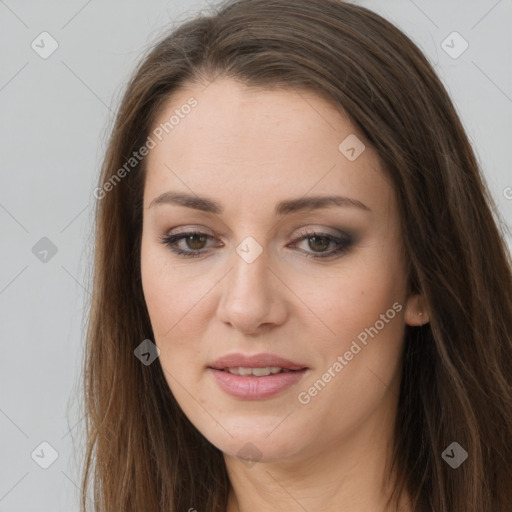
{"points": [[254, 439]]}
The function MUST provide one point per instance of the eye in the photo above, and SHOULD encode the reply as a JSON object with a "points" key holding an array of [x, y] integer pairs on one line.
{"points": [[320, 242], [195, 242]]}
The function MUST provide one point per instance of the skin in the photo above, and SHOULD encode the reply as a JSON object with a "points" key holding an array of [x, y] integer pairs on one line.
{"points": [[248, 149]]}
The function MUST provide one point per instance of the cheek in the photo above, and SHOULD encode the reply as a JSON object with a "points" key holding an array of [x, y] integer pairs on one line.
{"points": [[170, 297], [363, 306], [352, 297], [156, 285], [175, 305]]}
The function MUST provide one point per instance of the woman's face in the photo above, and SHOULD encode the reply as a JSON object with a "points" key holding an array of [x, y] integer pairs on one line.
{"points": [[267, 281]]}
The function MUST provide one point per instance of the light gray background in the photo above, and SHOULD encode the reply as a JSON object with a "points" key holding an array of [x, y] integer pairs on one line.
{"points": [[56, 113]]}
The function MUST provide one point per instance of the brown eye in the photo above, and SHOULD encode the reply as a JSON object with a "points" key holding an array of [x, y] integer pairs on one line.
{"points": [[196, 241], [319, 243]]}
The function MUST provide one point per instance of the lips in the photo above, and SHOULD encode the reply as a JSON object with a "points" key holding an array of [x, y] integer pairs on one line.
{"points": [[255, 361], [255, 377]]}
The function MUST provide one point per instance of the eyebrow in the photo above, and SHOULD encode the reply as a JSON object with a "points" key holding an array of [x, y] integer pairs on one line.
{"points": [[285, 207]]}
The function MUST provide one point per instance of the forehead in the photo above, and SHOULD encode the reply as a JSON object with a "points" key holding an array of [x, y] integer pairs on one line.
{"points": [[270, 144]]}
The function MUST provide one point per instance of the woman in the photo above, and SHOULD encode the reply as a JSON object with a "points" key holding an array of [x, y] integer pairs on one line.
{"points": [[302, 297]]}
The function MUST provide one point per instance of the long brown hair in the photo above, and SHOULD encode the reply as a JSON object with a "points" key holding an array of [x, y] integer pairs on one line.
{"points": [[142, 452]]}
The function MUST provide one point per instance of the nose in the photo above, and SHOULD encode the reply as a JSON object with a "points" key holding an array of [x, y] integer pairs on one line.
{"points": [[253, 296]]}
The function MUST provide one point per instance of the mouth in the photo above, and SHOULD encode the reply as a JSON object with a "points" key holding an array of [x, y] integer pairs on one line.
{"points": [[240, 363], [256, 372], [255, 377]]}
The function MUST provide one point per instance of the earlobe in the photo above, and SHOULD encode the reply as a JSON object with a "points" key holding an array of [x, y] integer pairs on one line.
{"points": [[416, 311]]}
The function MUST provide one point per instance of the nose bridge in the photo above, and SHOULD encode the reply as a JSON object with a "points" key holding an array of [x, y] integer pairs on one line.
{"points": [[250, 295], [250, 275]]}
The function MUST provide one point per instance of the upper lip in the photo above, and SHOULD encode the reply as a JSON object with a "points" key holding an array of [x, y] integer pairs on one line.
{"points": [[255, 361]]}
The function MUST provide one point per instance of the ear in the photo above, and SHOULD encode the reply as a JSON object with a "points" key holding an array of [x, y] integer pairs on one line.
{"points": [[416, 312]]}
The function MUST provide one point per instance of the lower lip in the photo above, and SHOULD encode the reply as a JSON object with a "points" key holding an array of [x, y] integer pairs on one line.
{"points": [[255, 388]]}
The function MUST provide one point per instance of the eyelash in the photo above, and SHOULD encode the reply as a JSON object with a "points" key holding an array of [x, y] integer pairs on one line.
{"points": [[343, 244]]}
